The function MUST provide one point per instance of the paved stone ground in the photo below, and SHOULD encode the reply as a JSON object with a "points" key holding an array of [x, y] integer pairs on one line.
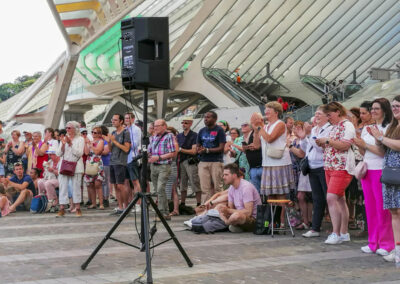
{"points": [[45, 249]]}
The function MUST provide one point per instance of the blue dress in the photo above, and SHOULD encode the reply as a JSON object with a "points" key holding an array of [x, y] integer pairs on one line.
{"points": [[391, 193]]}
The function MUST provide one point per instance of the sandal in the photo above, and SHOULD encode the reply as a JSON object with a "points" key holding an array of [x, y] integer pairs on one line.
{"points": [[173, 213], [101, 207], [92, 207]]}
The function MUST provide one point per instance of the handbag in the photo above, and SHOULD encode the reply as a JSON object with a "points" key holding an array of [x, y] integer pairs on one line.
{"points": [[390, 176], [68, 168], [304, 166], [275, 153], [92, 169], [361, 170]]}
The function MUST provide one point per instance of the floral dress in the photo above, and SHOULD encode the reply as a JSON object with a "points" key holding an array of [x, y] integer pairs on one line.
{"points": [[391, 193], [243, 163], [93, 159]]}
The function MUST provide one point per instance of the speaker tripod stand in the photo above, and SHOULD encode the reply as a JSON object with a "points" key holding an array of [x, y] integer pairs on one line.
{"points": [[146, 201]]}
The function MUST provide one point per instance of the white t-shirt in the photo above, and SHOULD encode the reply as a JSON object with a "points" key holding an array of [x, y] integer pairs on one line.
{"points": [[373, 161]]}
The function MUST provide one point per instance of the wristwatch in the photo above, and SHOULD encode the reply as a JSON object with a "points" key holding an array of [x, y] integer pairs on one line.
{"points": [[327, 142], [380, 138], [207, 150], [180, 149]]}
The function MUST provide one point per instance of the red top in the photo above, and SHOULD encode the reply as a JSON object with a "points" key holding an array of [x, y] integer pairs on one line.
{"points": [[40, 159]]}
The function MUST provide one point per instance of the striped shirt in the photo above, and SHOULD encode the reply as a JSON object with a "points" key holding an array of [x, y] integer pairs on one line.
{"points": [[165, 146]]}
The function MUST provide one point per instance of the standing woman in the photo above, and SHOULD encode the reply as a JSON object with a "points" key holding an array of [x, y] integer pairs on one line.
{"points": [[94, 149], [390, 143], [380, 233], [240, 155], [338, 162], [277, 177], [71, 149], [14, 151], [39, 149], [316, 176]]}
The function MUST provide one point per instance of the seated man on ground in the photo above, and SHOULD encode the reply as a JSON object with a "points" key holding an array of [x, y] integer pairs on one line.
{"points": [[243, 199], [25, 189]]}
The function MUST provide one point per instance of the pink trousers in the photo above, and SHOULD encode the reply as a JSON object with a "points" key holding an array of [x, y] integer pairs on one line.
{"points": [[48, 187], [380, 233]]}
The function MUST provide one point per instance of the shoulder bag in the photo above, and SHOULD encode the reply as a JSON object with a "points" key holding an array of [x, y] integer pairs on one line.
{"points": [[391, 176], [361, 170]]}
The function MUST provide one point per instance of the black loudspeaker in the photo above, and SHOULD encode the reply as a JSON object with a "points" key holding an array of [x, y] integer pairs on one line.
{"points": [[145, 53]]}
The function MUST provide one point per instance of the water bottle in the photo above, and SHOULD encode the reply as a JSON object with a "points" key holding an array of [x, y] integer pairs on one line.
{"points": [[397, 255]]}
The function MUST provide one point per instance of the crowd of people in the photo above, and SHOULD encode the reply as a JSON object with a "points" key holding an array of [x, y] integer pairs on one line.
{"points": [[341, 166]]}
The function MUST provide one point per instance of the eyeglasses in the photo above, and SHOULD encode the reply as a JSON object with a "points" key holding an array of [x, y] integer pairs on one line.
{"points": [[68, 127], [244, 125], [184, 122], [94, 132]]}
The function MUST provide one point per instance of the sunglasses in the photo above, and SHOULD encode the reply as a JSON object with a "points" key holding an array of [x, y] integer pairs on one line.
{"points": [[184, 122], [68, 127], [94, 132], [17, 164]]}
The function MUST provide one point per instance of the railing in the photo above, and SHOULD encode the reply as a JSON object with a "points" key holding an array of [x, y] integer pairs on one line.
{"points": [[227, 81], [303, 114]]}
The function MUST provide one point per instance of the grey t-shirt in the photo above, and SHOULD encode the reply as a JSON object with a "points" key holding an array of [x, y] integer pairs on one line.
{"points": [[119, 157]]}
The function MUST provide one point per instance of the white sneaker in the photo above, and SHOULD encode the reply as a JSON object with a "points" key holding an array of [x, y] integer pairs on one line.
{"points": [[188, 223], [333, 239], [382, 252], [345, 237], [137, 209], [366, 249], [235, 229], [390, 257], [311, 234]]}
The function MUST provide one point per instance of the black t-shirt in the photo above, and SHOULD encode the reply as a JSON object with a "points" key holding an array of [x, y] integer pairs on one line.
{"points": [[254, 157], [186, 142], [211, 138]]}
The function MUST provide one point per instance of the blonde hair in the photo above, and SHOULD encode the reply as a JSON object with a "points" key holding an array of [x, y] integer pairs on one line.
{"points": [[276, 106]]}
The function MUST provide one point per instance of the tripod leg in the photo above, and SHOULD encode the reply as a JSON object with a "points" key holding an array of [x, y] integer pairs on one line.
{"points": [[145, 232], [170, 232], [114, 227]]}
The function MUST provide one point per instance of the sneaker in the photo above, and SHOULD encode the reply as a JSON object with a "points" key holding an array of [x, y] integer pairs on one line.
{"points": [[137, 209], [311, 234], [235, 229], [382, 252], [333, 239], [390, 257], [60, 213], [78, 213], [366, 249], [116, 212], [188, 223], [345, 237]]}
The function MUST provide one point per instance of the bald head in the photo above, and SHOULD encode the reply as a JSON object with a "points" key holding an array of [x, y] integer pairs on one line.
{"points": [[160, 126]]}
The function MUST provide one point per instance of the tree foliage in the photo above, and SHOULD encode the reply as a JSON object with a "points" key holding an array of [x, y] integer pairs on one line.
{"points": [[7, 90]]}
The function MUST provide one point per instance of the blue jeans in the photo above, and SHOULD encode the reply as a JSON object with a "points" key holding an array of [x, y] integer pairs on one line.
{"points": [[255, 177]]}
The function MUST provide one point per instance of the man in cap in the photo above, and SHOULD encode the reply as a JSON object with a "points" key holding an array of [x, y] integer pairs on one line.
{"points": [[188, 161]]}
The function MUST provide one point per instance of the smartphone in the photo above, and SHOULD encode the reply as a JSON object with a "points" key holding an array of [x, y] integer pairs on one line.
{"points": [[244, 143]]}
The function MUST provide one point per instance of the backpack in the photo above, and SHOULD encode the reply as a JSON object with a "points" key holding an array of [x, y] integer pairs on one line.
{"points": [[39, 204], [208, 224], [263, 220]]}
